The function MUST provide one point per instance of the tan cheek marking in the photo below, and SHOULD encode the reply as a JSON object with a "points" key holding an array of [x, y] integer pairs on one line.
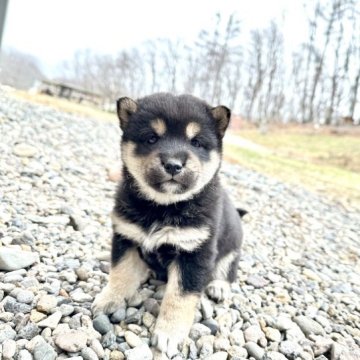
{"points": [[158, 126], [177, 310], [192, 129], [193, 163]]}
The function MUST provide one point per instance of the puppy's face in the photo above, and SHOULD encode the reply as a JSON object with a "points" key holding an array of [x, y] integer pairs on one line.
{"points": [[171, 145]]}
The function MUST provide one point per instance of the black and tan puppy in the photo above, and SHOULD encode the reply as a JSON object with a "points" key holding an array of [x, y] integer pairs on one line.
{"points": [[171, 214]]}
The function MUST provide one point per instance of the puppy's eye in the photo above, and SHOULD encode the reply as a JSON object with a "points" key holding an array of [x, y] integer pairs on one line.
{"points": [[195, 143], [152, 140]]}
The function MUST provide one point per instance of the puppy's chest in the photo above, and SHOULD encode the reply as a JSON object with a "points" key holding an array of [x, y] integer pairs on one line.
{"points": [[151, 238]]}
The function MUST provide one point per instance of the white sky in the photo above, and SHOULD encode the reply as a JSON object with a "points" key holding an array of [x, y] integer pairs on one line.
{"points": [[52, 30]]}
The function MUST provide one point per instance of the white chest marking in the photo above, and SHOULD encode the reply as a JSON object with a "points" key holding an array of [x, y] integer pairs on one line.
{"points": [[186, 238]]}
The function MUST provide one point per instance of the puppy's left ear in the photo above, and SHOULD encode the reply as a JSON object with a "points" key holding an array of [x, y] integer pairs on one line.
{"points": [[222, 116], [125, 108]]}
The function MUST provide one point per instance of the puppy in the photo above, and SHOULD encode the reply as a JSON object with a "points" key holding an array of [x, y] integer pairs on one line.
{"points": [[171, 213]]}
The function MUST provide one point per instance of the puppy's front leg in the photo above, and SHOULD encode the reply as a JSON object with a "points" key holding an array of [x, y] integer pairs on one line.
{"points": [[127, 272], [176, 315]]}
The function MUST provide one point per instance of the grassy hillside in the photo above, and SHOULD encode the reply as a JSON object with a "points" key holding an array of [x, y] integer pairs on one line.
{"points": [[325, 162]]}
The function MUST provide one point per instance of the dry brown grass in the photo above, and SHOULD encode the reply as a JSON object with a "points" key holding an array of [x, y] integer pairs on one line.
{"points": [[64, 105]]}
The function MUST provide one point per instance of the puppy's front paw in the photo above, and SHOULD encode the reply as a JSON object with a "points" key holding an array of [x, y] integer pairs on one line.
{"points": [[106, 302], [218, 290], [167, 342]]}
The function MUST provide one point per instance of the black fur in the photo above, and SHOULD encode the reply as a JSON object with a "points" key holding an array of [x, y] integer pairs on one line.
{"points": [[210, 206]]}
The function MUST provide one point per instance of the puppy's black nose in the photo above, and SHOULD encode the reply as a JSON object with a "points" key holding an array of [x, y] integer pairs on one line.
{"points": [[173, 167]]}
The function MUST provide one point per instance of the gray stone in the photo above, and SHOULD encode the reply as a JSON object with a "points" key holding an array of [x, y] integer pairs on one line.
{"points": [[43, 351], [46, 303], [66, 309], [290, 348], [272, 334], [237, 352], [61, 329], [254, 350], [102, 324], [148, 319], [25, 296], [73, 341], [221, 343], [141, 352], [309, 326], [198, 330], [34, 342], [89, 354], [206, 308], [11, 305], [206, 345], [295, 333], [124, 346], [108, 340], [133, 316], [6, 316], [6, 333], [282, 323], [51, 321], [257, 281], [132, 339], [24, 150], [321, 345], [118, 315], [152, 306], [13, 259], [136, 300], [342, 352], [253, 334], [212, 325], [24, 355], [75, 321], [8, 349], [116, 355], [29, 331], [237, 337], [221, 355], [274, 355], [80, 296], [97, 347]]}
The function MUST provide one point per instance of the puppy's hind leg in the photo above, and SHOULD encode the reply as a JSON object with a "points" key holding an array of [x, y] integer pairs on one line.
{"points": [[128, 271], [225, 273]]}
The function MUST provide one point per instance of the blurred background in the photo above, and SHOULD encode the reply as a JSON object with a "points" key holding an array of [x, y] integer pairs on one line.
{"points": [[289, 70]]}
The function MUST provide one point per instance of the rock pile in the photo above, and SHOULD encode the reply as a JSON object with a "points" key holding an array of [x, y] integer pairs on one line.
{"points": [[298, 290]]}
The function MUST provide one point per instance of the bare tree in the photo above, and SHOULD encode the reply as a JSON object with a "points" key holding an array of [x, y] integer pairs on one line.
{"points": [[18, 69]]}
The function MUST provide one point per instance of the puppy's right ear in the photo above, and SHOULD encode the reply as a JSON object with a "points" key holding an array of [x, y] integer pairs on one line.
{"points": [[125, 108]]}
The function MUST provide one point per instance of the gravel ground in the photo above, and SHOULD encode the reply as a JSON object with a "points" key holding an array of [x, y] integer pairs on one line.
{"points": [[297, 295]]}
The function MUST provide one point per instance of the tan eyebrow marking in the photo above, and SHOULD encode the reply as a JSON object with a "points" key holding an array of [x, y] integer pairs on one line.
{"points": [[158, 126], [192, 129]]}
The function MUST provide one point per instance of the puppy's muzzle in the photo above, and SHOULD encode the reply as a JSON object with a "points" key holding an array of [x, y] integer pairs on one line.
{"points": [[173, 163], [173, 167]]}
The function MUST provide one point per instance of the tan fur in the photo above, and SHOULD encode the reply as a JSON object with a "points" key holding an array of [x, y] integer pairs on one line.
{"points": [[176, 314], [192, 130], [187, 239], [159, 126], [126, 106], [138, 165], [221, 115], [124, 280]]}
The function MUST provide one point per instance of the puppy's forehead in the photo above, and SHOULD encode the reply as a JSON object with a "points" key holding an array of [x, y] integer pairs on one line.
{"points": [[178, 108], [167, 113]]}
